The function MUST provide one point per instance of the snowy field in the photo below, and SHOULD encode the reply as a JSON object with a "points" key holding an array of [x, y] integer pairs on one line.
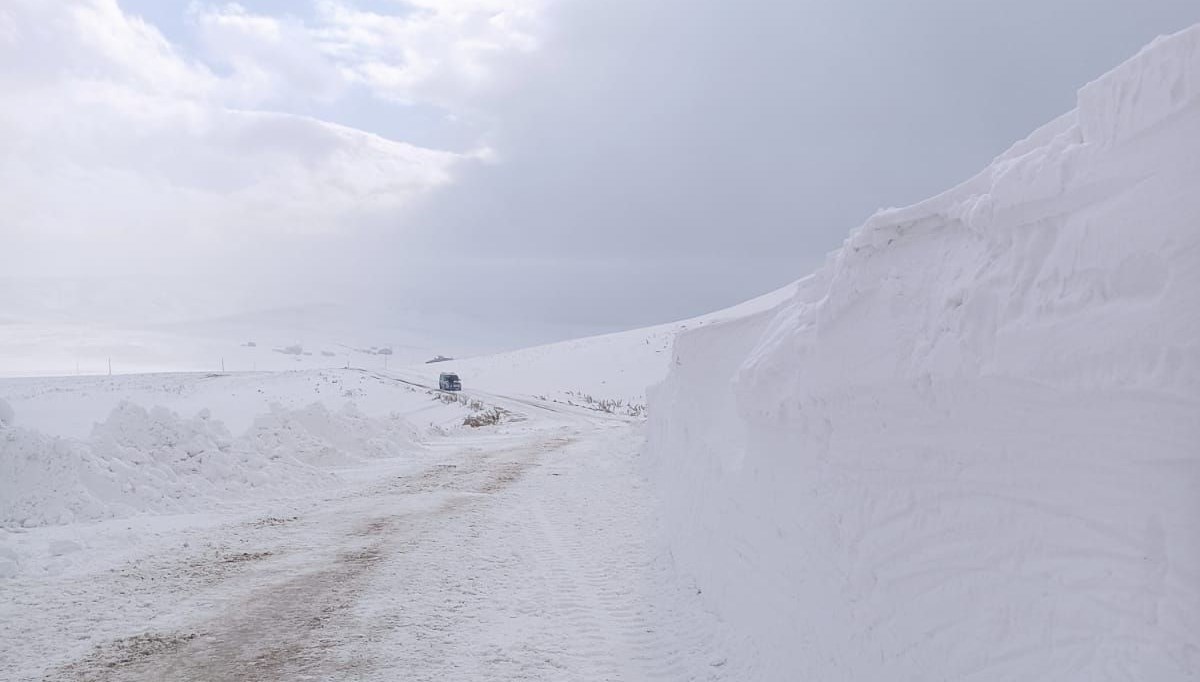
{"points": [[148, 522]]}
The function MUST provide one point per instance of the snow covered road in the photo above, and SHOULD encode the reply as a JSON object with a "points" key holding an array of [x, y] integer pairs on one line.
{"points": [[520, 553]]}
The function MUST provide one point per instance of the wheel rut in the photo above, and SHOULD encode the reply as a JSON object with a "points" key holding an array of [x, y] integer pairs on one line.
{"points": [[295, 629], [525, 560]]}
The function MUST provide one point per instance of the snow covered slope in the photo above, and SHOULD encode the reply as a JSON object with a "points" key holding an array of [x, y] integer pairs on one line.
{"points": [[968, 447], [610, 367]]}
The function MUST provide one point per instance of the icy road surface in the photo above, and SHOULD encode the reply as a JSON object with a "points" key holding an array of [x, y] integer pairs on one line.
{"points": [[526, 553]]}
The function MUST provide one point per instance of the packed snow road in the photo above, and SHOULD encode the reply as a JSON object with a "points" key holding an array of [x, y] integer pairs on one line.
{"points": [[522, 553]]}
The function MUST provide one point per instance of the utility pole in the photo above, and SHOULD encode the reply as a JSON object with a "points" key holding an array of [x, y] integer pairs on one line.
{"points": [[222, 365], [110, 367]]}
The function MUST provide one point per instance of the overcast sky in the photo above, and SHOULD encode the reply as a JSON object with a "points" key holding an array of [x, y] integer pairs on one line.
{"points": [[546, 166]]}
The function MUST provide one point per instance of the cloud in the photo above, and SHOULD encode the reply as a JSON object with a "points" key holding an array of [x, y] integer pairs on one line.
{"points": [[271, 60], [439, 50], [45, 43], [121, 155], [423, 51]]}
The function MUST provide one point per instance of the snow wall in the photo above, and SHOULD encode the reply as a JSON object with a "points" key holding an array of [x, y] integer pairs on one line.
{"points": [[968, 448]]}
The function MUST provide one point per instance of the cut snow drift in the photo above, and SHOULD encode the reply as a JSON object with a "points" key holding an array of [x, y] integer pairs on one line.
{"points": [[968, 446]]}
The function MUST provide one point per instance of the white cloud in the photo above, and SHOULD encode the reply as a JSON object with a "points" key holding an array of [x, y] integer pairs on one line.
{"points": [[44, 44], [272, 60], [426, 51], [184, 169], [438, 51], [120, 153]]}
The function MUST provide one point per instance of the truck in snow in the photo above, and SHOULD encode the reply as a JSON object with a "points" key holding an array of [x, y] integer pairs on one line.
{"points": [[449, 381]]}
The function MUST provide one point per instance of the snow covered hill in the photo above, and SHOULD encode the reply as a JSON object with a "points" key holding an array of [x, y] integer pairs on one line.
{"points": [[611, 369], [968, 446]]}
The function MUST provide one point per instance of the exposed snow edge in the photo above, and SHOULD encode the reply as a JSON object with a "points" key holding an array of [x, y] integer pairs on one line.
{"points": [[1020, 187], [1162, 80]]}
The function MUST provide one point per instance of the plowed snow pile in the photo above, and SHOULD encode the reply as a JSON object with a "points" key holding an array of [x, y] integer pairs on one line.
{"points": [[140, 460], [969, 446]]}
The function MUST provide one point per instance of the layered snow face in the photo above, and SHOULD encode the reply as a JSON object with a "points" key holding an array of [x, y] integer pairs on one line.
{"points": [[968, 447]]}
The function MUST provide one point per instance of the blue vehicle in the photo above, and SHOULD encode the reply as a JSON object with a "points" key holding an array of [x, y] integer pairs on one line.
{"points": [[449, 381]]}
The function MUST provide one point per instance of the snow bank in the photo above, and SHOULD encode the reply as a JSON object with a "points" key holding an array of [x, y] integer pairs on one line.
{"points": [[69, 406], [140, 460], [321, 437], [968, 446]]}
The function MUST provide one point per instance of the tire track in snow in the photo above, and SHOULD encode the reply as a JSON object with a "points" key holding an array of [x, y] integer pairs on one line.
{"points": [[622, 612], [529, 559], [291, 630]]}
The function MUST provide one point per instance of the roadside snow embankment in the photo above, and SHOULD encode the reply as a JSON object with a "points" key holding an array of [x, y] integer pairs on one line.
{"points": [[968, 447], [140, 460]]}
